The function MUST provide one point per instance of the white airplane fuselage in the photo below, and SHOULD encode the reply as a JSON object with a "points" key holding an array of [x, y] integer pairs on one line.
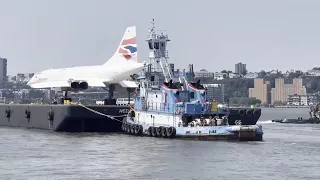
{"points": [[117, 69], [110, 73]]}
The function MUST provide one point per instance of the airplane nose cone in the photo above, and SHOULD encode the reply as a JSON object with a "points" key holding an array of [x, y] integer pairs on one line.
{"points": [[30, 82]]}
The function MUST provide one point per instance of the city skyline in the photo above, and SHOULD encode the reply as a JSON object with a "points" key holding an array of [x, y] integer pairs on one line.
{"points": [[203, 71], [35, 37]]}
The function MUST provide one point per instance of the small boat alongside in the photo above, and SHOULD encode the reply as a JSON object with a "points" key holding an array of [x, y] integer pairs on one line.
{"points": [[298, 120]]}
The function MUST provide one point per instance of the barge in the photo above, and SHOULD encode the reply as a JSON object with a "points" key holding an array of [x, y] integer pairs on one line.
{"points": [[68, 118]]}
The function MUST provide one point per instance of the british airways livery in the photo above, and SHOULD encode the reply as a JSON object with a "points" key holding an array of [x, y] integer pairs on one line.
{"points": [[117, 69]]}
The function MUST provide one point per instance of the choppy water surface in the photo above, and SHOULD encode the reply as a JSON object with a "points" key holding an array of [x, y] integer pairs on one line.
{"points": [[289, 152]]}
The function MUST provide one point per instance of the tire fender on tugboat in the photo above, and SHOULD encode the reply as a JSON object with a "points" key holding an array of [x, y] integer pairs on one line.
{"points": [[241, 112], [27, 113], [249, 112], [171, 131], [50, 114], [256, 113], [8, 112]]}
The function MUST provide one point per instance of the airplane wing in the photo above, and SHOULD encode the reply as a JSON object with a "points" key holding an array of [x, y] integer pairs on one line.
{"points": [[91, 83], [124, 83], [103, 83], [49, 84], [95, 83], [128, 84]]}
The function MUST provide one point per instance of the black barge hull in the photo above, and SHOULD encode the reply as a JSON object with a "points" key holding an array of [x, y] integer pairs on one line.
{"points": [[68, 118]]}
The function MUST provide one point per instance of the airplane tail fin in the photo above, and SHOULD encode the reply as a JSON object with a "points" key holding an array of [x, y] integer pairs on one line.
{"points": [[127, 49]]}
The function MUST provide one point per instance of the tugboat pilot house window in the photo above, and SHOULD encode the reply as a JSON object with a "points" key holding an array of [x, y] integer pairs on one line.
{"points": [[184, 96]]}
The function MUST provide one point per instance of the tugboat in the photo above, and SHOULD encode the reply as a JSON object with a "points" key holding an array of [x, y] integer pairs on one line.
{"points": [[299, 120], [314, 117], [170, 107]]}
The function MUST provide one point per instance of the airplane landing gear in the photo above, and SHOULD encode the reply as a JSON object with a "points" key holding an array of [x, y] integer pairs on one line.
{"points": [[129, 90], [65, 97], [110, 100]]}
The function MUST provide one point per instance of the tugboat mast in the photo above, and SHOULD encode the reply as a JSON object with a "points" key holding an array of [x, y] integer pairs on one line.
{"points": [[159, 69]]}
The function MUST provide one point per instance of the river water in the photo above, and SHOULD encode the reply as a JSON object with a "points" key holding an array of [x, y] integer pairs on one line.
{"points": [[288, 152]]}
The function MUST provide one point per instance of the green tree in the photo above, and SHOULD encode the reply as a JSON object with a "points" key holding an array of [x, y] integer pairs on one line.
{"points": [[244, 101], [245, 72], [225, 76], [277, 103], [262, 74]]}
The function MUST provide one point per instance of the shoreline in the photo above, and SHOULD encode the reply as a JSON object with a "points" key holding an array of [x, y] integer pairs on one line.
{"points": [[275, 107], [288, 107]]}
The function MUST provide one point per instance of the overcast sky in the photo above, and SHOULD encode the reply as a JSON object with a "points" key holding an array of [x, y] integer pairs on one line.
{"points": [[212, 34]]}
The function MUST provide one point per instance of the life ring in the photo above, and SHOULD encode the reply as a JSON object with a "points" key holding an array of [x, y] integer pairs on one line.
{"points": [[8, 112], [27, 113], [249, 113], [171, 131], [256, 113], [177, 110], [242, 112], [50, 115]]}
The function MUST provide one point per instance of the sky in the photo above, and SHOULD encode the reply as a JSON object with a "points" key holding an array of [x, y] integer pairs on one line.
{"points": [[211, 34]]}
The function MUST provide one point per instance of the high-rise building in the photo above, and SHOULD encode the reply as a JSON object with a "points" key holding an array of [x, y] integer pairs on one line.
{"points": [[282, 91], [3, 69], [204, 74], [240, 68], [261, 90], [302, 100]]}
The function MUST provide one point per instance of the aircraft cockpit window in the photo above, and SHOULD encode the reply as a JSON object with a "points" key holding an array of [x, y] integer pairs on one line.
{"points": [[156, 45], [36, 75], [191, 95], [184, 96], [150, 45]]}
